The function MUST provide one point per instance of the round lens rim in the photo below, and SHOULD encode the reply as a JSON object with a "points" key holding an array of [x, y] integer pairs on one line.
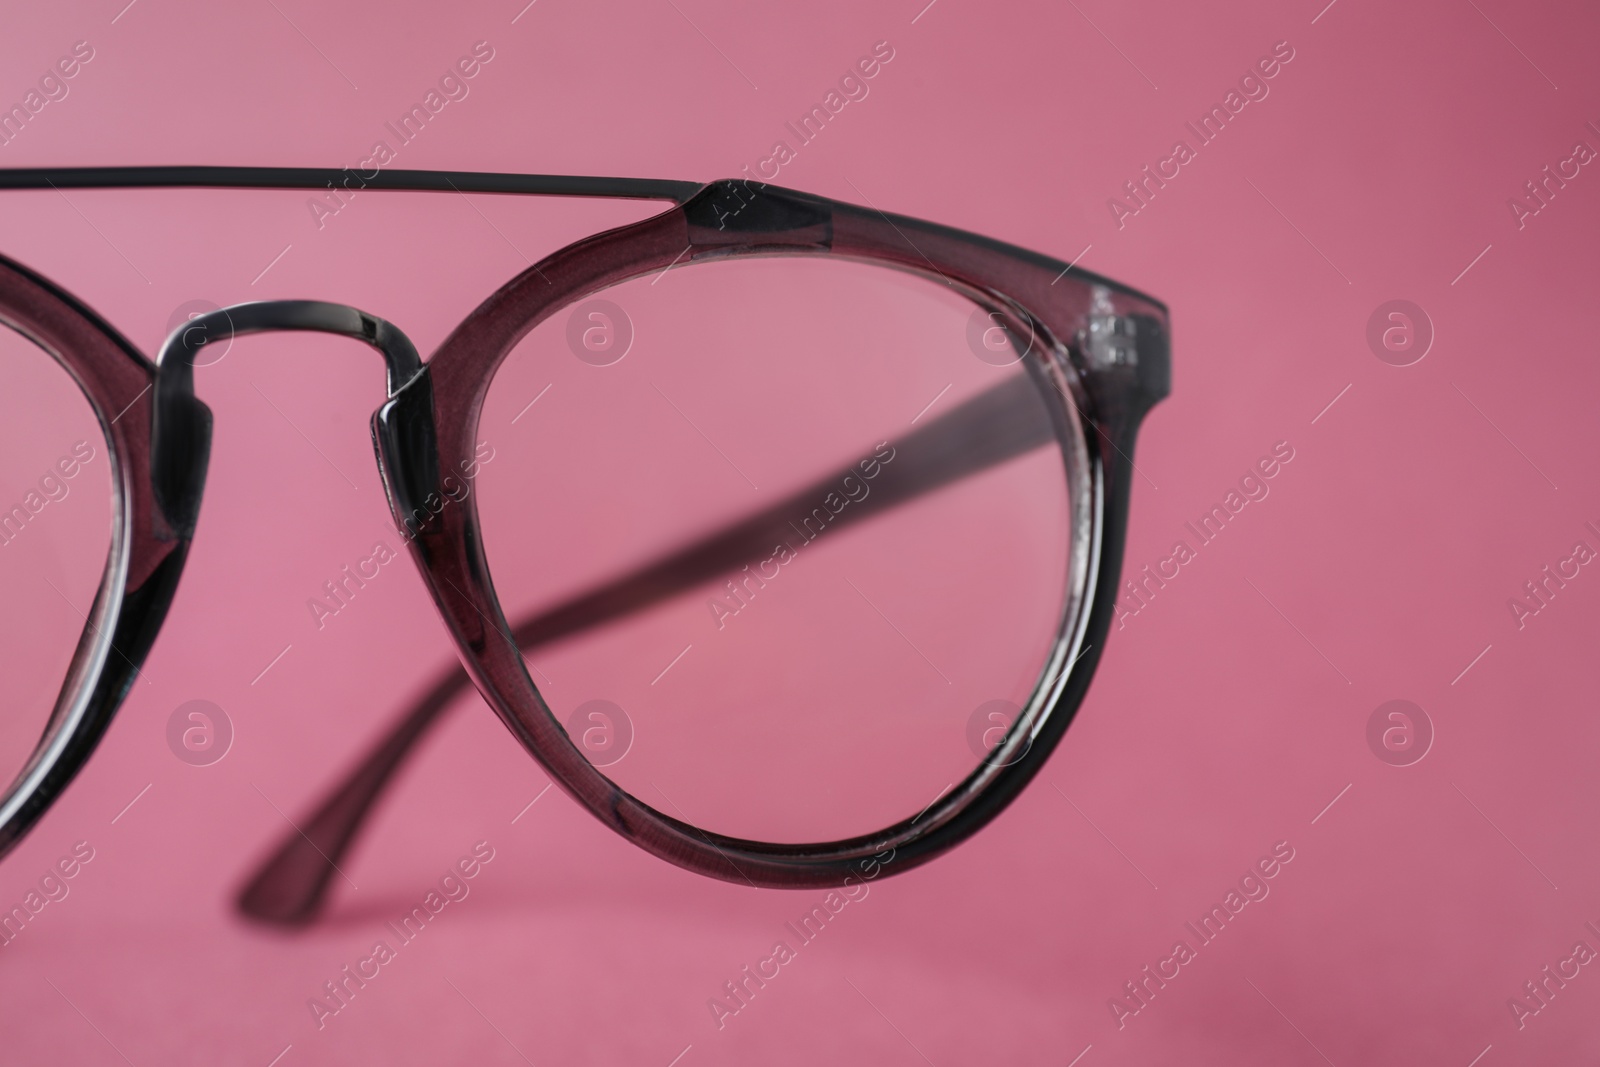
{"points": [[146, 553], [1103, 405]]}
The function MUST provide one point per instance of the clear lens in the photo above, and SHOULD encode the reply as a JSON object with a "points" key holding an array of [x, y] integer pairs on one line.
{"points": [[55, 533], [828, 516]]}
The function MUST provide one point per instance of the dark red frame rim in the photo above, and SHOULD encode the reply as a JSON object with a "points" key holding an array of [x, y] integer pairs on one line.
{"points": [[146, 554]]}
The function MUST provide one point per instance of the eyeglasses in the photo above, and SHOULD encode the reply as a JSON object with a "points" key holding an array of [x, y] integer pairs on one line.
{"points": [[785, 534]]}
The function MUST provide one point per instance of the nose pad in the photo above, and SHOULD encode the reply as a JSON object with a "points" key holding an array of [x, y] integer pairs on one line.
{"points": [[405, 438], [180, 431], [180, 453]]}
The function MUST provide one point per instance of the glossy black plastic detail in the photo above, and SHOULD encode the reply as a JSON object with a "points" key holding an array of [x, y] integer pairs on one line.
{"points": [[180, 453], [406, 442], [731, 211], [1154, 346]]}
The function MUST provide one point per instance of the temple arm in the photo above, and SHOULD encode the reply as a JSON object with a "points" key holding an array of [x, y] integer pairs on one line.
{"points": [[992, 427]]}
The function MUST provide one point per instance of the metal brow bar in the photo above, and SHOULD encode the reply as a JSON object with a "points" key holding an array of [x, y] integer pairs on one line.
{"points": [[320, 178], [996, 425]]}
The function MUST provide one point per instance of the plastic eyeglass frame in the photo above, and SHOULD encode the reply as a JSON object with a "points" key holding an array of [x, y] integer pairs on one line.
{"points": [[1098, 352]]}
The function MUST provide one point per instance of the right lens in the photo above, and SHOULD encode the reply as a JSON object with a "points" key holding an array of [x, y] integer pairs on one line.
{"points": [[55, 534], [828, 516]]}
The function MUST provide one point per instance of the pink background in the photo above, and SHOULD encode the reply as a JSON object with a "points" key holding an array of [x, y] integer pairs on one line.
{"points": [[1226, 715]]}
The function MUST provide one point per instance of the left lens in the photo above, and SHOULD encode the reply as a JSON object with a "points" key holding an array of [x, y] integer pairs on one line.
{"points": [[55, 533]]}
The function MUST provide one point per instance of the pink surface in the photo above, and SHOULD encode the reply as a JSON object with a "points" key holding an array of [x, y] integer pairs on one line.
{"points": [[1229, 713]]}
